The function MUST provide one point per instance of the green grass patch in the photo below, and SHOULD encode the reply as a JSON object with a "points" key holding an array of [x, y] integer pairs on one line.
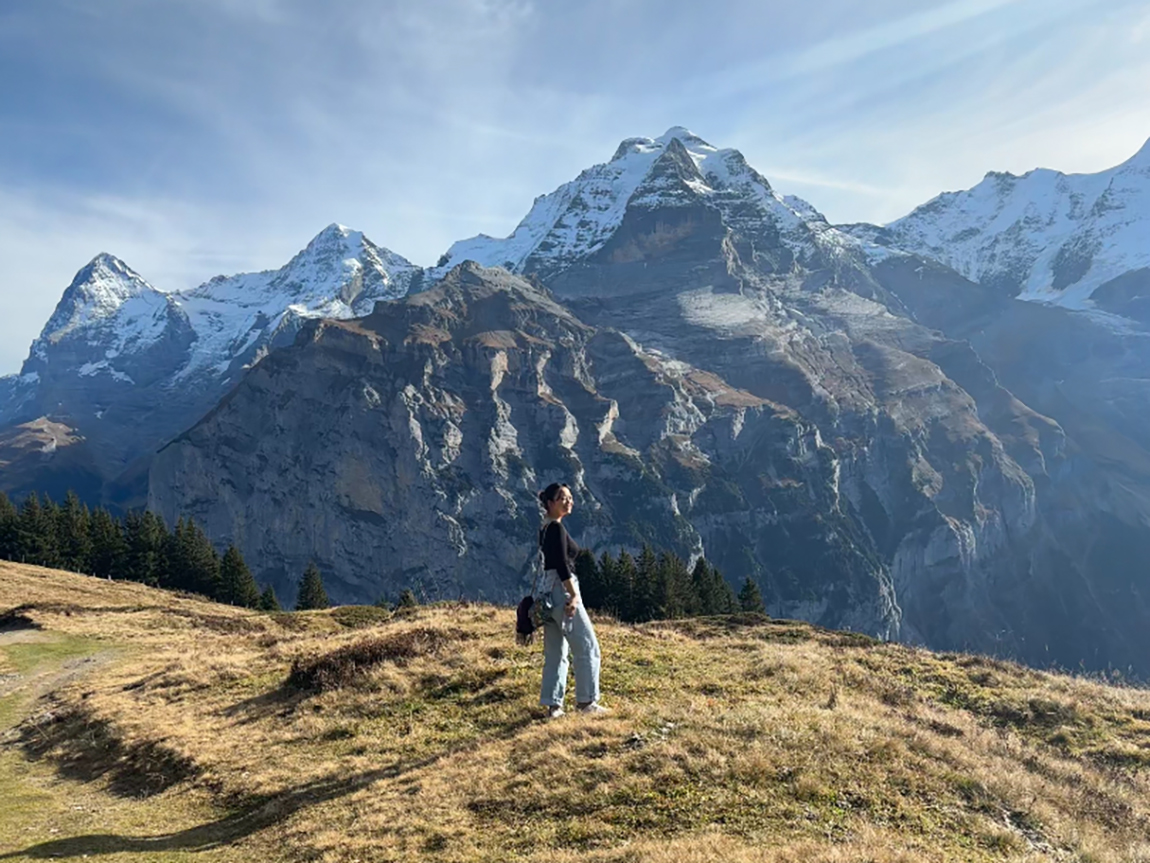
{"points": [[35, 655]]}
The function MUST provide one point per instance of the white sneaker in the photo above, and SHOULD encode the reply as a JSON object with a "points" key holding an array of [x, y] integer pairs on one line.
{"points": [[554, 711], [594, 708]]}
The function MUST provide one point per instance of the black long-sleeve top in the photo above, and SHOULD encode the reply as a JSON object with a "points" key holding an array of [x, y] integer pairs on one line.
{"points": [[559, 549]]}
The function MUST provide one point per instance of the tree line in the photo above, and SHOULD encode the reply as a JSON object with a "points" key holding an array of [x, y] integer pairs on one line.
{"points": [[138, 547], [659, 586]]}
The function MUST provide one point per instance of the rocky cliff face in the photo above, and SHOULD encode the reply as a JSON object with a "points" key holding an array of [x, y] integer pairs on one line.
{"points": [[880, 442], [718, 373], [406, 448], [126, 366]]}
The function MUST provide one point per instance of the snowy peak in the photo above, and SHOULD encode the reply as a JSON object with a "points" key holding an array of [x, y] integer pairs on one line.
{"points": [[339, 266], [676, 169], [1043, 236], [96, 294], [1141, 159], [110, 317]]}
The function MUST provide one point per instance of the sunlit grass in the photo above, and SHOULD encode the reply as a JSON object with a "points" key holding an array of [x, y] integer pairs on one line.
{"points": [[731, 738]]}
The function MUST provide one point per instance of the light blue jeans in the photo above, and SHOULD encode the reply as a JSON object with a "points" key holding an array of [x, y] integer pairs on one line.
{"points": [[580, 642]]}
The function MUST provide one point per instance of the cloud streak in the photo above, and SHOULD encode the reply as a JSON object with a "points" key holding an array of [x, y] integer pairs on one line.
{"points": [[192, 138]]}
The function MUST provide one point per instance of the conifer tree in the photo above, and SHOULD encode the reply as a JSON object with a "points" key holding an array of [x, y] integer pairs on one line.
{"points": [[407, 598], [203, 562], [193, 563], [591, 586], [269, 601], [236, 583], [146, 538], [37, 532], [9, 529], [625, 579], [609, 581], [109, 549], [311, 592], [73, 526], [703, 588], [672, 588], [725, 600], [645, 589], [750, 599]]}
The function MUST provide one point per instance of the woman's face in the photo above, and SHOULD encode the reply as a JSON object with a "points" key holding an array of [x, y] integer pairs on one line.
{"points": [[561, 504]]}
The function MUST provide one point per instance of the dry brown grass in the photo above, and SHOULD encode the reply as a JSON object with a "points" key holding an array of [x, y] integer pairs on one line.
{"points": [[738, 739]]}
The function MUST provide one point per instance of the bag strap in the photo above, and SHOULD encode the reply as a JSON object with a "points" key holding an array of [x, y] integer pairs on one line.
{"points": [[539, 559]]}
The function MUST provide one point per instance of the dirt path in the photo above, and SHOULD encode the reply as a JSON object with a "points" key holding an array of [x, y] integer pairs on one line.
{"points": [[46, 815], [41, 680]]}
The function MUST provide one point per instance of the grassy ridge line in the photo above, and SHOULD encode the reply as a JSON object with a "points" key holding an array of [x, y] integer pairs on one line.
{"points": [[733, 738]]}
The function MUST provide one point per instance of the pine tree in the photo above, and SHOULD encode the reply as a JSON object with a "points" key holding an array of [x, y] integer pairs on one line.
{"points": [[73, 527], [591, 586], [204, 562], [625, 578], [37, 532], [703, 588], [311, 592], [645, 590], [407, 599], [672, 587], [750, 599], [193, 564], [269, 601], [714, 595], [109, 549], [147, 539], [236, 583], [609, 579], [725, 600], [9, 529]]}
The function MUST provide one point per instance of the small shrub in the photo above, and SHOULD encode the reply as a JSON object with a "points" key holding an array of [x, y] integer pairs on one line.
{"points": [[360, 616], [15, 619], [346, 665]]}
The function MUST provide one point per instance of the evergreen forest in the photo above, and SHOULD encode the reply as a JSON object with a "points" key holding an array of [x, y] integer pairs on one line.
{"points": [[138, 547]]}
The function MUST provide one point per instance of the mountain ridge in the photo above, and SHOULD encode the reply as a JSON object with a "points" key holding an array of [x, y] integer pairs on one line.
{"points": [[877, 441], [1043, 236]]}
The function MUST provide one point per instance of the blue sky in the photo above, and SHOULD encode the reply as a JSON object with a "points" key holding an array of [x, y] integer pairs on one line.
{"points": [[196, 137]]}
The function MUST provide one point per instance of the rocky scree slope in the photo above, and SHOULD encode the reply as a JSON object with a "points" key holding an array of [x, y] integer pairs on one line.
{"points": [[125, 366]]}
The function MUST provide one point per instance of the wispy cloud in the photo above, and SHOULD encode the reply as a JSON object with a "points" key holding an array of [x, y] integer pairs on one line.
{"points": [[213, 136]]}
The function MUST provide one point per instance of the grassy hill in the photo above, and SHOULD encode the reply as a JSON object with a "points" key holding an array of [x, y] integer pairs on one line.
{"points": [[140, 725]]}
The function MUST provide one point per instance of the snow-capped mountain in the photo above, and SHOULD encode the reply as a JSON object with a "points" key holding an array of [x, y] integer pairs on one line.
{"points": [[1076, 240], [585, 220], [341, 274], [129, 365]]}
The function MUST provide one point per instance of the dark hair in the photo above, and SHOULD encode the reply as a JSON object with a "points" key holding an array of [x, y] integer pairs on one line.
{"points": [[551, 492]]}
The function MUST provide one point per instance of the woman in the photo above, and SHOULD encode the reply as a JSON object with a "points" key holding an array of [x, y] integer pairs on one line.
{"points": [[569, 626]]}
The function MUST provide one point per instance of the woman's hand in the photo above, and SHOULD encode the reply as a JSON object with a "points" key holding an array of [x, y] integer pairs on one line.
{"points": [[572, 604]]}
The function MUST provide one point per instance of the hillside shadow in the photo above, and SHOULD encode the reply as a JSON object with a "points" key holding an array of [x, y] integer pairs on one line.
{"points": [[257, 814], [226, 830]]}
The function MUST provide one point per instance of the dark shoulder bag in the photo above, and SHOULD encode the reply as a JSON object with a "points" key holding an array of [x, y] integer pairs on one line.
{"points": [[534, 610]]}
